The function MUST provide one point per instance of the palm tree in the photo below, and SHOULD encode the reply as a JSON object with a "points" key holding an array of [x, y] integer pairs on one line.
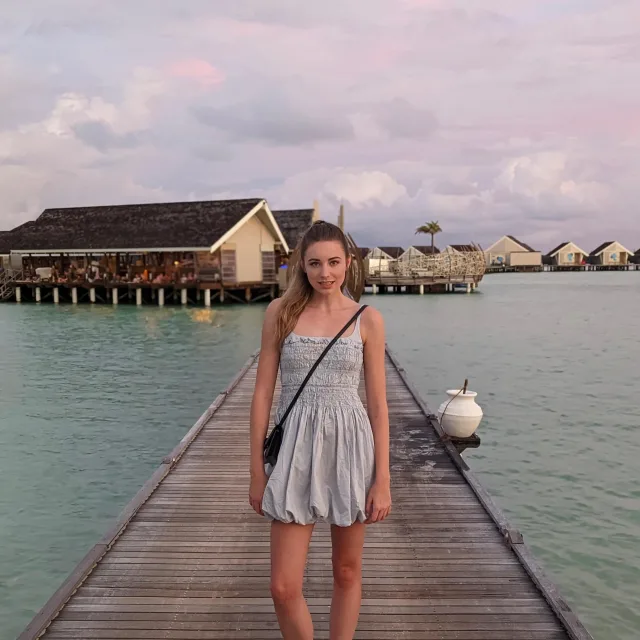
{"points": [[431, 228]]}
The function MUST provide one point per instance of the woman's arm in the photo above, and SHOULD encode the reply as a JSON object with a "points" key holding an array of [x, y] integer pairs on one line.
{"points": [[379, 501], [263, 392]]}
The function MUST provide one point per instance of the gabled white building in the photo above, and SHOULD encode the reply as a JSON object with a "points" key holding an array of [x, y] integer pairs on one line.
{"points": [[510, 252]]}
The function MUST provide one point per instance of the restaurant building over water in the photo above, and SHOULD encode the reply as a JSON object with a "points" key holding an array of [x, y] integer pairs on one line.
{"points": [[183, 251]]}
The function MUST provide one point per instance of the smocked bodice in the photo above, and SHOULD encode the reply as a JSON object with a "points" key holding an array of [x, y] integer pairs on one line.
{"points": [[336, 379]]}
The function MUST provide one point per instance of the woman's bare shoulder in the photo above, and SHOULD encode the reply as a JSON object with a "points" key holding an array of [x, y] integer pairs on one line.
{"points": [[372, 315], [372, 322], [274, 306], [271, 314]]}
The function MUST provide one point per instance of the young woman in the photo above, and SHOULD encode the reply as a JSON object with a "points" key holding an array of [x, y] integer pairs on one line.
{"points": [[333, 464]]}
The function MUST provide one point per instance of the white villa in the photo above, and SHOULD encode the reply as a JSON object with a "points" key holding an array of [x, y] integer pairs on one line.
{"points": [[610, 254], [567, 254], [377, 259], [510, 252]]}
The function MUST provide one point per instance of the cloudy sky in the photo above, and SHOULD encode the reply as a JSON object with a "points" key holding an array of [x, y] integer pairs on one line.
{"points": [[491, 116]]}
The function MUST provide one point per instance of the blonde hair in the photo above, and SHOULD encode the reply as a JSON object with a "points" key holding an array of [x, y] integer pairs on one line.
{"points": [[299, 290]]}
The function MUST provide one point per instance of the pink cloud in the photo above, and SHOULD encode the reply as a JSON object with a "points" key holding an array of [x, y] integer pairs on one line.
{"points": [[418, 4], [198, 70]]}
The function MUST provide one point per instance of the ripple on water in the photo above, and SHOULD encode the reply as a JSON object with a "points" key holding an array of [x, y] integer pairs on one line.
{"points": [[92, 399]]}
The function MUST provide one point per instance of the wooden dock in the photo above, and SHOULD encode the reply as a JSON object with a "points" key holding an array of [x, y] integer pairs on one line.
{"points": [[420, 285], [188, 558]]}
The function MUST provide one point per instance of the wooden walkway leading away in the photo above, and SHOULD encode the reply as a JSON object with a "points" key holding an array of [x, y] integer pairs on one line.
{"points": [[189, 560]]}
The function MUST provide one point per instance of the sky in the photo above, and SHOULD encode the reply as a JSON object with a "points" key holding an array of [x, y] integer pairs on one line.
{"points": [[492, 117]]}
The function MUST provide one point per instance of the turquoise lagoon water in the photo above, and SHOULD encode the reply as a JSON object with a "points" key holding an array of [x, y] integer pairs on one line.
{"points": [[92, 398]]}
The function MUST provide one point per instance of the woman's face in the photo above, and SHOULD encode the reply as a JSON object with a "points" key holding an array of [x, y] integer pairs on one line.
{"points": [[326, 266]]}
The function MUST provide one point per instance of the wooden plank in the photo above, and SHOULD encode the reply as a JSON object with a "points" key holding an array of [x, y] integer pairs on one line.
{"points": [[514, 538], [189, 559], [53, 606]]}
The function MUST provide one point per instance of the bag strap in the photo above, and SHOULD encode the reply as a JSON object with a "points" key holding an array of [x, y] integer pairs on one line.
{"points": [[318, 361]]}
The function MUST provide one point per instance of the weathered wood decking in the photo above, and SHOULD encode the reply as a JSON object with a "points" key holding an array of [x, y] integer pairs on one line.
{"points": [[188, 559]]}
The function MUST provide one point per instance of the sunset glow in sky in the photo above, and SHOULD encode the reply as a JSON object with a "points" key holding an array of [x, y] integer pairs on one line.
{"points": [[494, 117]]}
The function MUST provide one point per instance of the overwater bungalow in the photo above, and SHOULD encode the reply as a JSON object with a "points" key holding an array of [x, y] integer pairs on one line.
{"points": [[512, 254], [294, 222], [227, 245], [416, 251], [393, 253], [610, 255], [566, 256], [378, 259]]}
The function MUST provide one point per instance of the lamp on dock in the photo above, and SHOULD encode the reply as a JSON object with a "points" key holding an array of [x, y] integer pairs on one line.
{"points": [[460, 415]]}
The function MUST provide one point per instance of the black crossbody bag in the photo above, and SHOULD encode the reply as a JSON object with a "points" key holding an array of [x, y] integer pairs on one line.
{"points": [[273, 441]]}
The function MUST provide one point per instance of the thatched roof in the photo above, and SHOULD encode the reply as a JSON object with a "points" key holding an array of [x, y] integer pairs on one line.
{"points": [[187, 225], [293, 223], [364, 251], [464, 248], [5, 243]]}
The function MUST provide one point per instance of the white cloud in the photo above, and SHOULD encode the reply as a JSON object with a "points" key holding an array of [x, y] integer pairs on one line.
{"points": [[365, 189], [493, 116]]}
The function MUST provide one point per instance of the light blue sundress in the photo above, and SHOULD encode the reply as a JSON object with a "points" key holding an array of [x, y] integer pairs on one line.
{"points": [[326, 461]]}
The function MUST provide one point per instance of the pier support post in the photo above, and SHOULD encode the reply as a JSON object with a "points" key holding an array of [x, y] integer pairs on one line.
{"points": [[56, 295], [18, 294], [92, 294], [247, 294], [468, 287], [421, 289], [161, 297], [114, 295], [183, 296], [374, 289], [221, 295], [207, 297], [139, 297], [74, 295], [38, 294]]}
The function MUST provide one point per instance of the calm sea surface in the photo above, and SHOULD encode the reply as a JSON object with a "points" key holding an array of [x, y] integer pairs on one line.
{"points": [[92, 398]]}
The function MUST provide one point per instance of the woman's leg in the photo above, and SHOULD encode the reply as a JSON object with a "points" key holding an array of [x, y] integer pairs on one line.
{"points": [[289, 546], [347, 543]]}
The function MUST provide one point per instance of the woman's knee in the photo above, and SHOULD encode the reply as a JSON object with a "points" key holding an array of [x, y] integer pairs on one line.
{"points": [[347, 574], [284, 591]]}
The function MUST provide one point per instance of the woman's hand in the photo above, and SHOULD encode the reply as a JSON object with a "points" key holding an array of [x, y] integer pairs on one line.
{"points": [[256, 490], [378, 502]]}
